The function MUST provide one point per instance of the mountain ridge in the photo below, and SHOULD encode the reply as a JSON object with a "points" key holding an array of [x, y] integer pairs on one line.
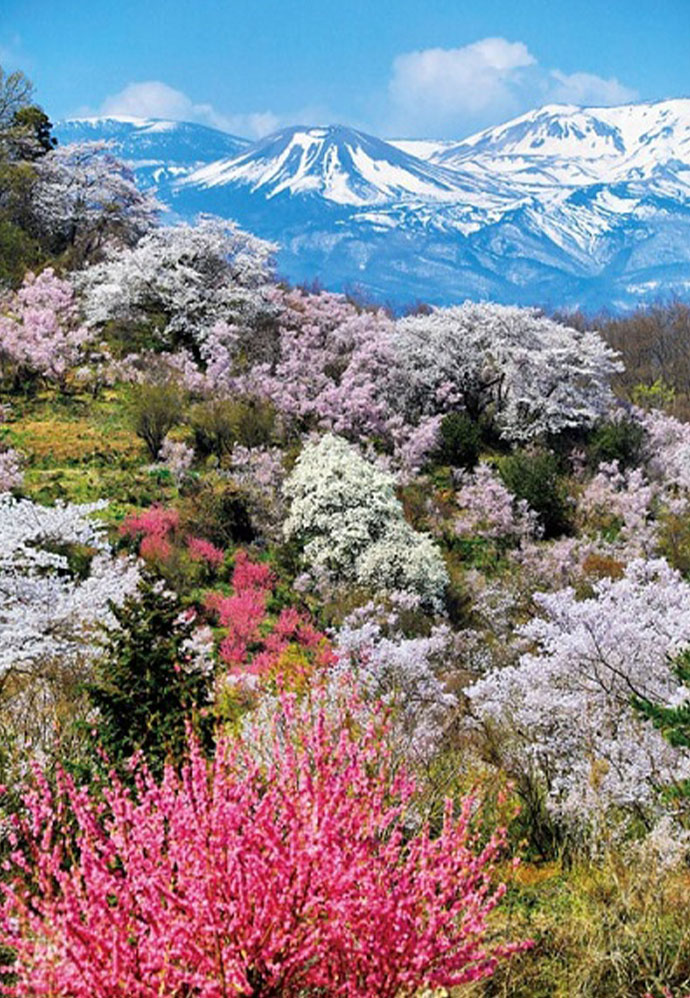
{"points": [[561, 206]]}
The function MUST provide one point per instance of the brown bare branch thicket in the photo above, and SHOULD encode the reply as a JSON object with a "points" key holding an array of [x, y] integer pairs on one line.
{"points": [[654, 342]]}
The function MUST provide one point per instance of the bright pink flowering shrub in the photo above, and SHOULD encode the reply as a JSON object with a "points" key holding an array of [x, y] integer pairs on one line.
{"points": [[154, 527], [254, 643], [201, 550], [250, 879], [252, 646]]}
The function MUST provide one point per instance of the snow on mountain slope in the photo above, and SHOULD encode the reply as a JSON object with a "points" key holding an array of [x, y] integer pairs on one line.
{"points": [[567, 145], [343, 166], [157, 150], [562, 206], [425, 149]]}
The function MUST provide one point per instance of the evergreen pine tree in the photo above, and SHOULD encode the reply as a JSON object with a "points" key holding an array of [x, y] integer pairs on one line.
{"points": [[144, 688]]}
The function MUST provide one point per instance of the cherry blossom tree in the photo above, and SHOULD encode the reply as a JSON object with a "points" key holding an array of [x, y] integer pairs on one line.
{"points": [[187, 278], [565, 709], [532, 374], [40, 331], [667, 448], [58, 581], [405, 671], [488, 509], [334, 366], [57, 578], [84, 197]]}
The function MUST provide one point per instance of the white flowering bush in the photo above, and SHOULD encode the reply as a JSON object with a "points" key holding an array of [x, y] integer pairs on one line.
{"points": [[58, 580], [405, 671], [565, 710], [351, 524], [50, 610]]}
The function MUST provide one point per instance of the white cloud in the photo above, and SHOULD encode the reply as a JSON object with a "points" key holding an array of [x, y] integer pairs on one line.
{"points": [[155, 99], [453, 91], [468, 79], [587, 89]]}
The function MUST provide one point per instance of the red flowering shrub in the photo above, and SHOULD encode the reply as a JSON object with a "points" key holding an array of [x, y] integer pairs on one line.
{"points": [[201, 550], [249, 879], [250, 651]]}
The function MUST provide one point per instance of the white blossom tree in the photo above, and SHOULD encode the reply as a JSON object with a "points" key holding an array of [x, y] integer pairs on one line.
{"points": [[351, 523], [189, 278], [564, 712], [87, 198], [534, 375]]}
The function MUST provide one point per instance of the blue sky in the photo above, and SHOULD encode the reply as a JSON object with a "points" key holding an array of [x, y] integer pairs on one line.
{"points": [[441, 68]]}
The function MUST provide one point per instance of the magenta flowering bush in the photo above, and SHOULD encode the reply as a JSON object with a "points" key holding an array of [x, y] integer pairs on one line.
{"points": [[294, 876]]}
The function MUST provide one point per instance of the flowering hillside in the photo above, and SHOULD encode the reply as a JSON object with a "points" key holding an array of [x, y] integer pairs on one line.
{"points": [[341, 654]]}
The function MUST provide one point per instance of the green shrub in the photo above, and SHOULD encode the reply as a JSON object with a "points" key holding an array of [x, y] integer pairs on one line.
{"points": [[460, 441], [534, 475], [18, 253], [619, 440], [141, 689], [221, 513], [155, 410], [221, 423]]}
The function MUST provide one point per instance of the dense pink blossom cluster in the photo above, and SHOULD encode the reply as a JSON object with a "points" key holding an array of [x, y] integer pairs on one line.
{"points": [[40, 331], [154, 528], [489, 509], [334, 368], [285, 877], [252, 645], [202, 550]]}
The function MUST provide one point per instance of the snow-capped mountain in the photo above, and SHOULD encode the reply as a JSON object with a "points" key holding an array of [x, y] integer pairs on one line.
{"points": [[572, 146], [156, 149], [340, 165], [562, 206]]}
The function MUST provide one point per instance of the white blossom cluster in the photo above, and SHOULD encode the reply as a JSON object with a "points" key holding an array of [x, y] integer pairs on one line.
{"points": [[48, 612], [533, 374], [565, 709], [351, 523], [195, 276], [83, 192], [407, 672]]}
